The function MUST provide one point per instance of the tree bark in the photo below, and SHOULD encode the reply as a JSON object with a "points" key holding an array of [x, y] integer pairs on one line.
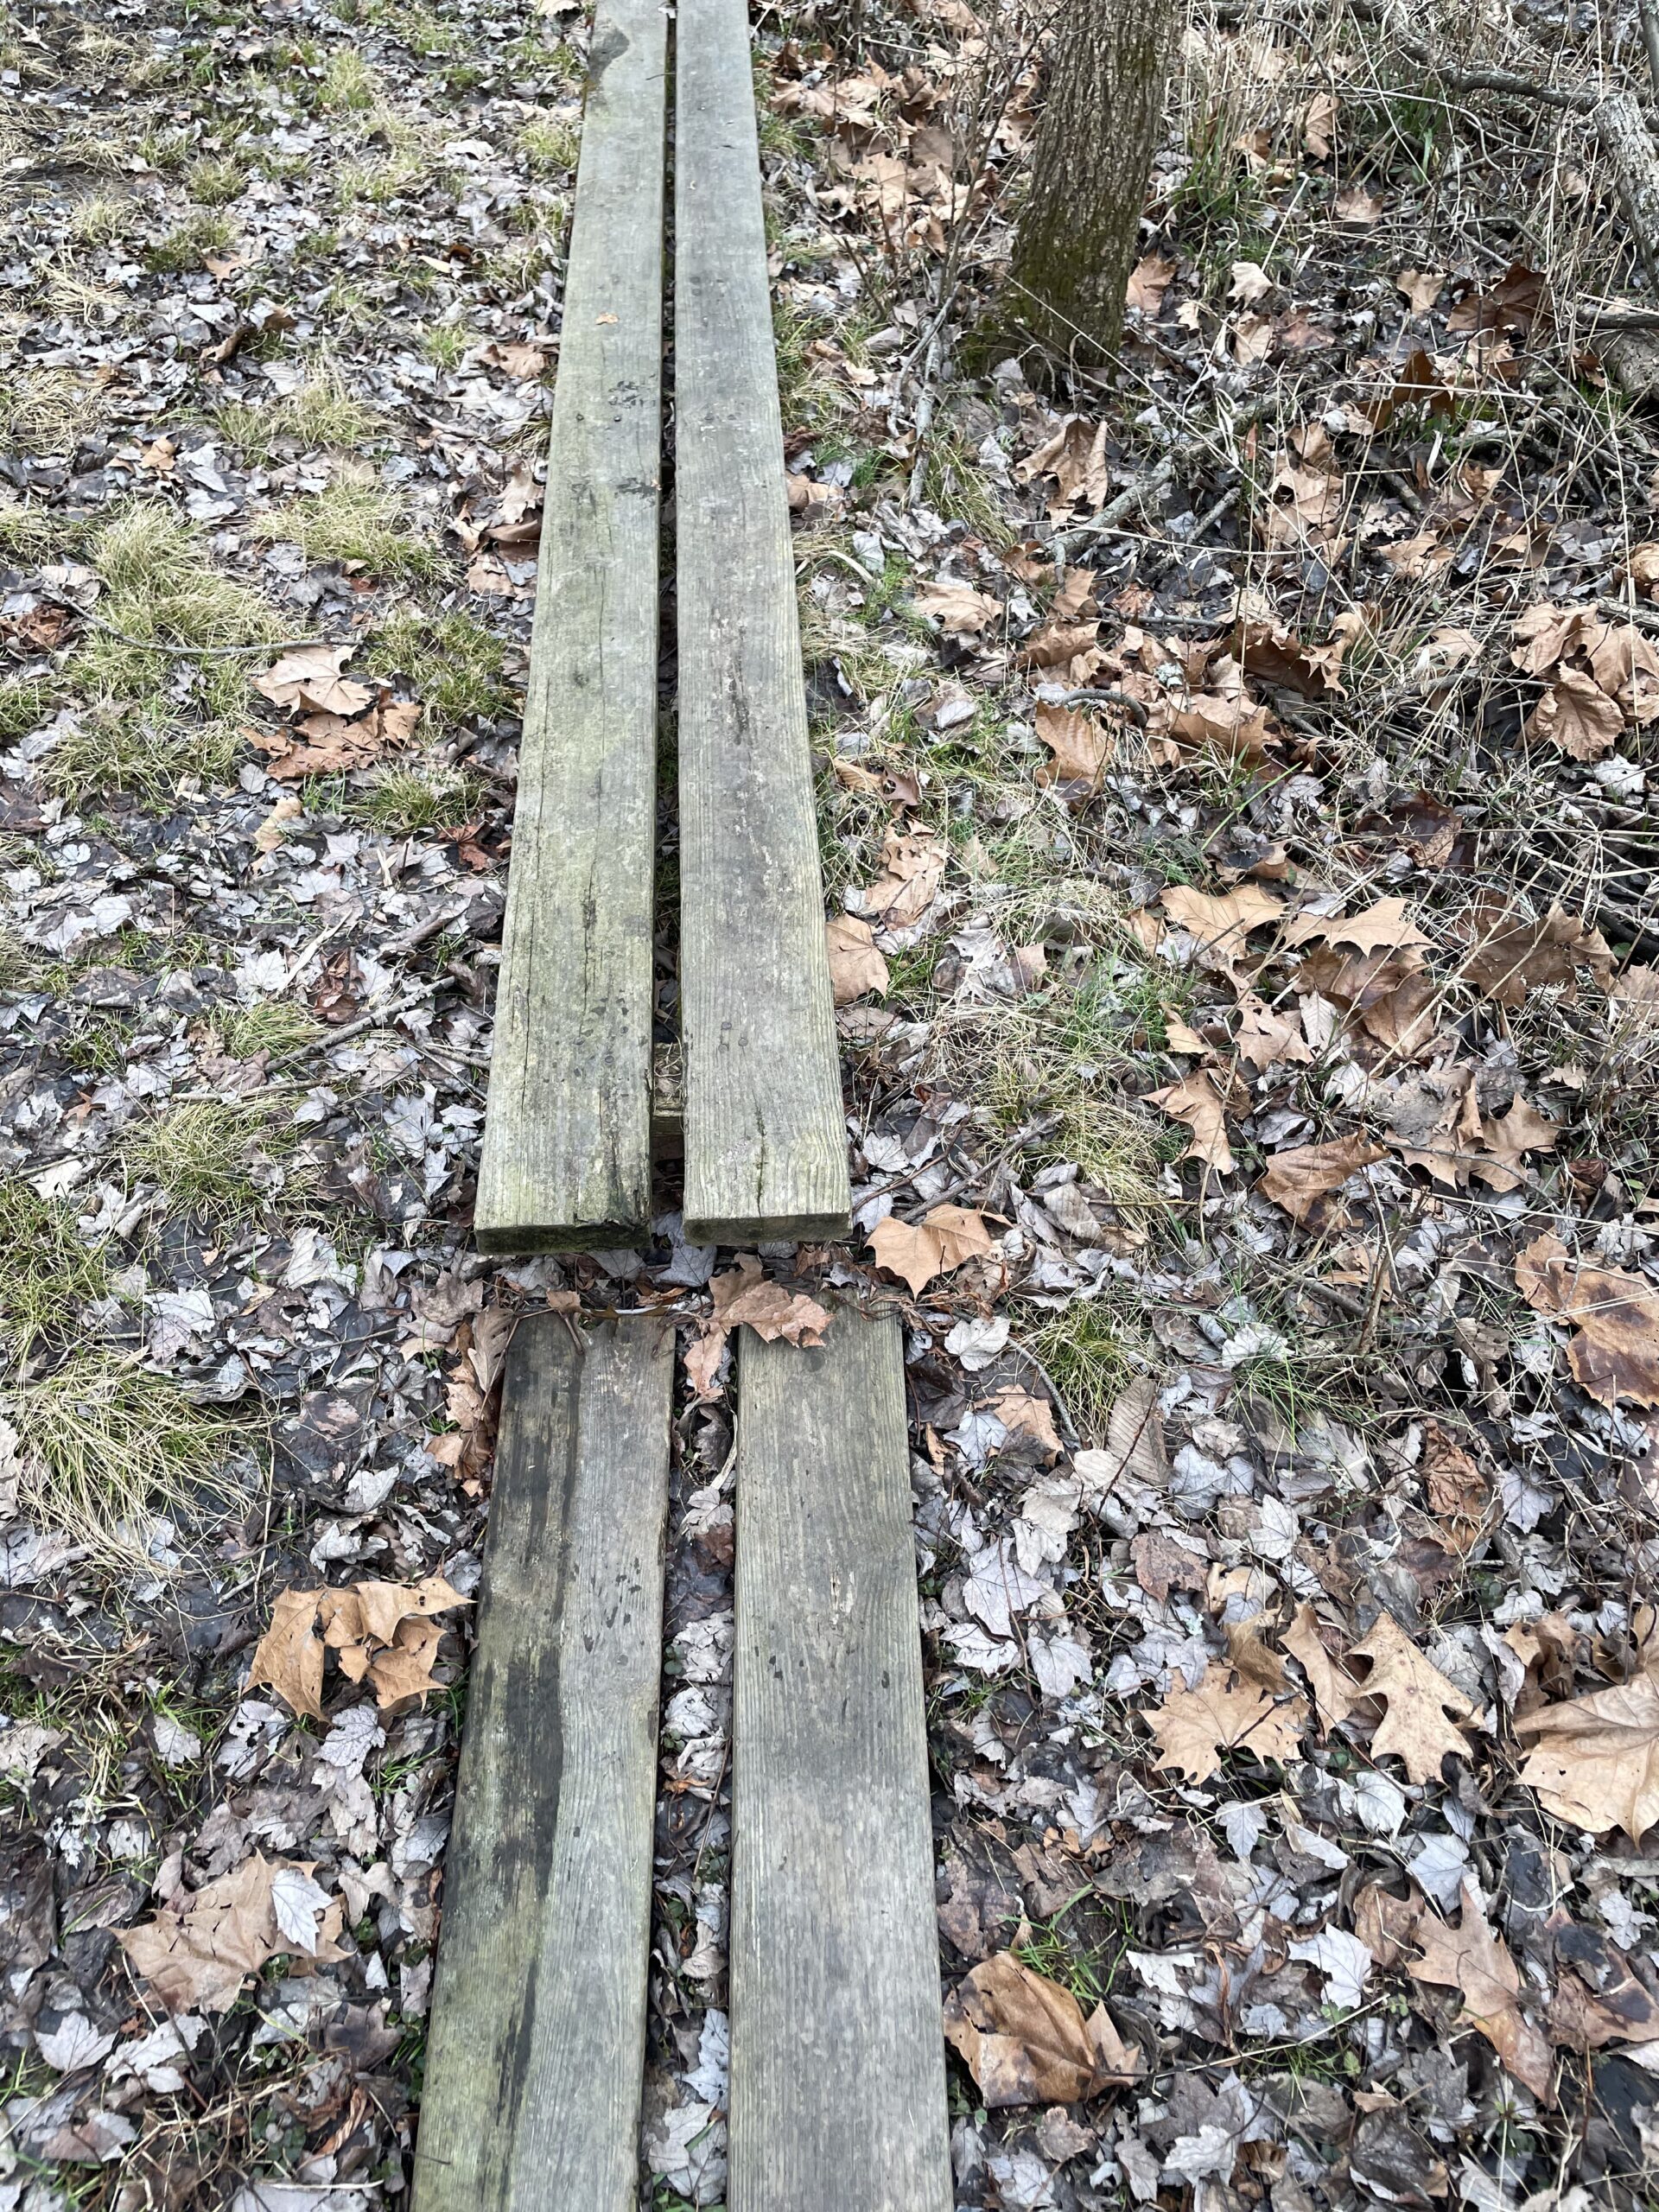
{"points": [[1097, 134]]}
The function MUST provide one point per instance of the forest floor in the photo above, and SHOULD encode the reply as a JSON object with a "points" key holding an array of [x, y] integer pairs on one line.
{"points": [[1253, 1079]]}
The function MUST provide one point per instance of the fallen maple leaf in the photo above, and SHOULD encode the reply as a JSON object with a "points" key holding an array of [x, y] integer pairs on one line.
{"points": [[745, 1299], [306, 1624], [1418, 1698], [1199, 1100], [959, 609], [1615, 1353], [1386, 926], [1220, 924], [1026, 2041], [1512, 955], [1149, 279], [198, 1952], [939, 1243], [1297, 1178], [1265, 1037], [855, 966], [1578, 715], [1469, 1958], [288, 1657], [1194, 1728], [1075, 456], [311, 678]]}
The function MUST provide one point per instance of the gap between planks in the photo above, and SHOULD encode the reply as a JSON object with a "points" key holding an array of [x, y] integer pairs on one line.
{"points": [[566, 1159]]}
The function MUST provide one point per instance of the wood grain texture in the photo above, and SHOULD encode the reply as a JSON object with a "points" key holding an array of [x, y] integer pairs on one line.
{"points": [[537, 2040], [765, 1145], [837, 2090], [567, 1137]]}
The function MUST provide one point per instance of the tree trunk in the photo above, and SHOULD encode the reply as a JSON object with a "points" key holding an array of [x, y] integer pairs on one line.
{"points": [[1095, 139]]}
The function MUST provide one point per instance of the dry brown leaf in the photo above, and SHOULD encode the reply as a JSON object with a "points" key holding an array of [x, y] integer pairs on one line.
{"points": [[311, 678], [1436, 1124], [1081, 744], [1149, 279], [1616, 1352], [404, 1668], [1385, 927], [1601, 2001], [1026, 2041], [1220, 924], [1577, 715], [1237, 728], [1512, 955], [960, 611], [744, 1299], [1421, 288], [1075, 456], [1471, 1959], [198, 1952], [1595, 1759], [1195, 1728], [1022, 1415], [912, 867], [1459, 1496], [1418, 1698], [938, 1245], [383, 1606], [288, 1657], [1298, 1178], [855, 966], [1199, 1100], [1334, 1692], [1508, 1138], [1265, 1037]]}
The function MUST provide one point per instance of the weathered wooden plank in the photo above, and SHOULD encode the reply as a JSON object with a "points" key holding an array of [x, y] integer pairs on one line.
{"points": [[567, 1138], [837, 2088], [538, 2022], [766, 1146]]}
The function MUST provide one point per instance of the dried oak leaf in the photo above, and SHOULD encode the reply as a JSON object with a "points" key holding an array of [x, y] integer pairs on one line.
{"points": [[200, 1949], [1297, 1178], [1194, 1728], [1026, 2041], [855, 966], [1615, 1353], [1471, 1959], [1199, 1101], [744, 1299], [1418, 1698], [1595, 1759], [939, 1245], [1511, 955]]}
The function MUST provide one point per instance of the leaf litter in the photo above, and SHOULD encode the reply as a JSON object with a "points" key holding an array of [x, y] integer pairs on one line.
{"points": [[1252, 1064]]}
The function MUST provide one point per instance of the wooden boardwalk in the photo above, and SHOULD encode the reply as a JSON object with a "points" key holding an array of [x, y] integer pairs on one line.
{"points": [[765, 1141], [567, 1139], [539, 2017], [535, 2070], [838, 2053]]}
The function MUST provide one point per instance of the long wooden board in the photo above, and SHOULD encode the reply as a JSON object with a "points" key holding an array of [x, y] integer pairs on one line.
{"points": [[837, 2086], [567, 1137], [537, 2040], [765, 1144]]}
